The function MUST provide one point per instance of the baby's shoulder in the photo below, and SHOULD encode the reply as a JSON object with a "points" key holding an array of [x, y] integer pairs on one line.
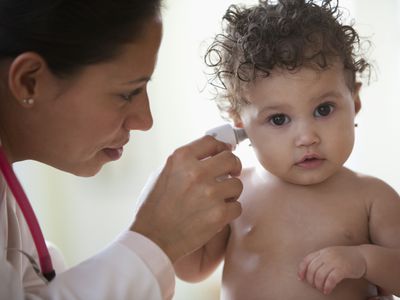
{"points": [[254, 175], [247, 172], [369, 185], [251, 177]]}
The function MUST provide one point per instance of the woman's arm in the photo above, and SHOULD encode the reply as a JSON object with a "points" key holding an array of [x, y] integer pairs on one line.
{"points": [[202, 262]]}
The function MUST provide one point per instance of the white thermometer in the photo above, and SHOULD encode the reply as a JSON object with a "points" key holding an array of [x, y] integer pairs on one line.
{"points": [[228, 134]]}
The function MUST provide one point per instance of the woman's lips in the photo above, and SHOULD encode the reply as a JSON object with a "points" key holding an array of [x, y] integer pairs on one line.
{"points": [[114, 153]]}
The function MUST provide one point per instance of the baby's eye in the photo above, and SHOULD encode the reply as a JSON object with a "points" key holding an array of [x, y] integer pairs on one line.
{"points": [[323, 110], [279, 119]]}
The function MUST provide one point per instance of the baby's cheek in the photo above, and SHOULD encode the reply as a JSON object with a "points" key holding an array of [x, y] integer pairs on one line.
{"points": [[275, 165]]}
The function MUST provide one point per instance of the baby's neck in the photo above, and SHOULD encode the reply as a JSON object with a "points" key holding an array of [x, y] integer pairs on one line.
{"points": [[335, 178]]}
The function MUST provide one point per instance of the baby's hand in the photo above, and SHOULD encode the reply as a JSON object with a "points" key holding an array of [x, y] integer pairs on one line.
{"points": [[325, 268], [382, 295]]}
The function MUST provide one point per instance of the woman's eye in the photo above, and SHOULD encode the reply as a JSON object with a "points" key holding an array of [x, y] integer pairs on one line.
{"points": [[279, 119], [129, 96], [323, 110]]}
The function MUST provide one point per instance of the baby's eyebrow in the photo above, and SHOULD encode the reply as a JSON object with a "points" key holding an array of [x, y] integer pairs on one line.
{"points": [[274, 107], [331, 94]]}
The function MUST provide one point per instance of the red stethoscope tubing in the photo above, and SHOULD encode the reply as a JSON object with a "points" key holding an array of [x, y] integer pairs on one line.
{"points": [[29, 215]]}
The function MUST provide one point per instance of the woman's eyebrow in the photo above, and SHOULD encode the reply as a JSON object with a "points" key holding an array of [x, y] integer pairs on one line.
{"points": [[141, 79]]}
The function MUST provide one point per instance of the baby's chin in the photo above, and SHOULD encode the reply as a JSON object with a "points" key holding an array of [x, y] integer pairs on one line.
{"points": [[296, 177], [307, 180]]}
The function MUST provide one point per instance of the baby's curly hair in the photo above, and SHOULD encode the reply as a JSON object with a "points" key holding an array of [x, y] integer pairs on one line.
{"points": [[287, 34]]}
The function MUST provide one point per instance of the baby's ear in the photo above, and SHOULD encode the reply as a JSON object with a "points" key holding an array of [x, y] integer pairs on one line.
{"points": [[237, 120], [356, 96]]}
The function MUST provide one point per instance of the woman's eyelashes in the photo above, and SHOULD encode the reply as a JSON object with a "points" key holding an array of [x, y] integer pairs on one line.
{"points": [[129, 96]]}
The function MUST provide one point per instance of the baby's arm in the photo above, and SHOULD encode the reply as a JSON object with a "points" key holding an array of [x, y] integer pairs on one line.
{"points": [[378, 262], [383, 257], [201, 263]]}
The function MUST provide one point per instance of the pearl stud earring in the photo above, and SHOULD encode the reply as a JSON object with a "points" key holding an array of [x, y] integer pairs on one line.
{"points": [[28, 101]]}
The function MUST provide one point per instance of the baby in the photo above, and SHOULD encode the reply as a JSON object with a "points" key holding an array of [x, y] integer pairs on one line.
{"points": [[310, 228]]}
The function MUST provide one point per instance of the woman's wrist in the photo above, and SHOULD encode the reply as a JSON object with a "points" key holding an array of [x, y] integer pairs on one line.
{"points": [[168, 248]]}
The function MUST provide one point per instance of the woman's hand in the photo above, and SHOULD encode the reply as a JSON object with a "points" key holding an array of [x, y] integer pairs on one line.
{"points": [[189, 202]]}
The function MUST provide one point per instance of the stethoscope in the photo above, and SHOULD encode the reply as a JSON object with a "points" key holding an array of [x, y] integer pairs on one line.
{"points": [[22, 200]]}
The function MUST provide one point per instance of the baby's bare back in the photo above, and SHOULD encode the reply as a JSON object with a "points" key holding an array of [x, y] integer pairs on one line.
{"points": [[279, 226]]}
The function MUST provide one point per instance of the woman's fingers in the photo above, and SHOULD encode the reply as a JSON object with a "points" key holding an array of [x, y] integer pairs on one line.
{"points": [[189, 202], [229, 189], [207, 146], [223, 164]]}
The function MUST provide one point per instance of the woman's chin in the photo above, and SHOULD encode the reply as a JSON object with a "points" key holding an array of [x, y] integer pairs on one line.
{"points": [[83, 170]]}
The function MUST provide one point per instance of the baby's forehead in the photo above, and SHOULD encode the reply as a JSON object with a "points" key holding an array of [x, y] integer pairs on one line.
{"points": [[303, 80], [311, 70]]}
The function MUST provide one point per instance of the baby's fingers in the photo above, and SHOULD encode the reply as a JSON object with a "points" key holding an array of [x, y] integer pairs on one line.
{"points": [[304, 265], [332, 280], [321, 277]]}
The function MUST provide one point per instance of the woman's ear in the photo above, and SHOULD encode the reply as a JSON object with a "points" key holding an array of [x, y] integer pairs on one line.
{"points": [[24, 73], [356, 96]]}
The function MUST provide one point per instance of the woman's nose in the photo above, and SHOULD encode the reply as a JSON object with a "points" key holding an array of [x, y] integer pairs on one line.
{"points": [[140, 117]]}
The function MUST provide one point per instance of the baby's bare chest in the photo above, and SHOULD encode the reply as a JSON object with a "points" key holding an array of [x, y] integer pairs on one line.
{"points": [[309, 221], [273, 234]]}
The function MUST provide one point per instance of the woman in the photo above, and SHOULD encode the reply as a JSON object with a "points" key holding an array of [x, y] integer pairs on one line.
{"points": [[73, 85]]}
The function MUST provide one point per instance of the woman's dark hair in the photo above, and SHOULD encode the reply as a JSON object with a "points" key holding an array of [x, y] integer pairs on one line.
{"points": [[70, 34], [287, 34]]}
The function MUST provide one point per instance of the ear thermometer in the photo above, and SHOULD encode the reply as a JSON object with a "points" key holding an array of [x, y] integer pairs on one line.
{"points": [[228, 134]]}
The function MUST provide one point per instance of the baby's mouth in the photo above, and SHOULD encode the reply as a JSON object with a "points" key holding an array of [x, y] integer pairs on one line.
{"points": [[310, 161]]}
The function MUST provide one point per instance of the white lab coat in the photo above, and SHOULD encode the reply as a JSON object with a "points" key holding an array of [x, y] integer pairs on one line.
{"points": [[132, 267]]}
